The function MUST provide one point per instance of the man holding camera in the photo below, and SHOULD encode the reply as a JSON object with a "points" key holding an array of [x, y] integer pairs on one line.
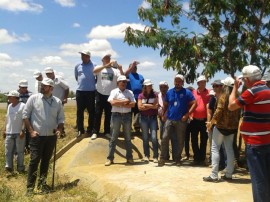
{"points": [[107, 75]]}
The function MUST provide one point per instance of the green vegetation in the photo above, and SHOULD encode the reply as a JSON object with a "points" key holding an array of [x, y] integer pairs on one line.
{"points": [[13, 187], [229, 34]]}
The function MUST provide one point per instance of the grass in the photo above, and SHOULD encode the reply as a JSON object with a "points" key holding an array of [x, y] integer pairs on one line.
{"points": [[13, 187]]}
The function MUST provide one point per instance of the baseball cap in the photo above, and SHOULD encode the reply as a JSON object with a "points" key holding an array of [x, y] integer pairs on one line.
{"points": [[229, 81], [37, 74], [201, 78], [180, 76], [107, 55], [165, 83], [217, 82], [250, 70], [48, 82], [121, 78], [48, 70], [85, 52], [147, 82], [23, 83], [13, 93]]}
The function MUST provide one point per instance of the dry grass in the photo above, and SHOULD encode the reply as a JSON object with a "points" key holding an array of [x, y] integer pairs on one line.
{"points": [[13, 188]]}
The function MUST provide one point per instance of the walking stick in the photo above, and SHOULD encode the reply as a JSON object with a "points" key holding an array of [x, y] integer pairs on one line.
{"points": [[54, 159]]}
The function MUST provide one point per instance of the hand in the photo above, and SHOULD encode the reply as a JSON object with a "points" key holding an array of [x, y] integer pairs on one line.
{"points": [[208, 126], [237, 82], [4, 135], [185, 118], [21, 135], [58, 133], [34, 134], [64, 101]]}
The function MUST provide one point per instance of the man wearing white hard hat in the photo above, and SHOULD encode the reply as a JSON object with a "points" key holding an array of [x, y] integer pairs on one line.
{"points": [[197, 123], [44, 118], [24, 96], [179, 104], [85, 93], [14, 133], [38, 76], [255, 128], [122, 100], [106, 74]]}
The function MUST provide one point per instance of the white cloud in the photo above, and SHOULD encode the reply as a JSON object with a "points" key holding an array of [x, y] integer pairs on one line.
{"points": [[147, 64], [6, 61], [113, 32], [66, 3], [53, 61], [97, 47], [20, 5], [75, 25], [145, 5], [5, 37]]}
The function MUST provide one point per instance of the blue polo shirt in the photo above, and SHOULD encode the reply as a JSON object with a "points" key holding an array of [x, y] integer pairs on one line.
{"points": [[85, 77], [135, 83], [178, 103]]}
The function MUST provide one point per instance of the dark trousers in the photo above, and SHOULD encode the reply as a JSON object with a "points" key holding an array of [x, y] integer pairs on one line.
{"points": [[102, 105], [41, 148], [85, 100], [199, 126], [187, 139]]}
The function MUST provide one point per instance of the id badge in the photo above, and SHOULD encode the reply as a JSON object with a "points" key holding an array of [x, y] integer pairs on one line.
{"points": [[175, 103]]}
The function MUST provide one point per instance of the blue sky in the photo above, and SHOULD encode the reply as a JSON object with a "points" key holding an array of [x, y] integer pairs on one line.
{"points": [[35, 34]]}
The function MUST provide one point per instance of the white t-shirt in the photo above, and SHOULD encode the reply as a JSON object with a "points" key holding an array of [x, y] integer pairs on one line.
{"points": [[107, 80], [60, 86], [14, 118], [121, 95]]}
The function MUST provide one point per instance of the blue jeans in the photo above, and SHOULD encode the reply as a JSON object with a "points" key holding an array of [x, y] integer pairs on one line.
{"points": [[176, 129], [117, 120], [14, 143], [217, 140], [258, 159], [149, 124]]}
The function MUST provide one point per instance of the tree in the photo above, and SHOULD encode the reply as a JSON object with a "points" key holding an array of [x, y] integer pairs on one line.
{"points": [[235, 33]]}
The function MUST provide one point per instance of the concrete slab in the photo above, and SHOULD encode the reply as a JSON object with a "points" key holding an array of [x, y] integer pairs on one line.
{"points": [[145, 182]]}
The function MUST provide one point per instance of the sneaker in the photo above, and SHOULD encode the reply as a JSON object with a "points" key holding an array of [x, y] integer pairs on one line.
{"points": [[224, 177], [185, 158], [79, 134], [108, 135], [94, 136], [210, 179], [161, 163], [155, 160], [45, 189], [130, 161], [108, 162], [146, 159]]}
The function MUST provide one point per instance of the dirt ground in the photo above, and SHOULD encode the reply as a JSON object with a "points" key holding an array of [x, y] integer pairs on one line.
{"points": [[145, 181]]}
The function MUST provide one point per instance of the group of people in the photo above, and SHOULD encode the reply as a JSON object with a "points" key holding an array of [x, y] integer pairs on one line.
{"points": [[182, 113], [33, 122]]}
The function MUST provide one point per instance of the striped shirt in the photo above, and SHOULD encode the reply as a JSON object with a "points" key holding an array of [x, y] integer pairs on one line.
{"points": [[255, 127]]}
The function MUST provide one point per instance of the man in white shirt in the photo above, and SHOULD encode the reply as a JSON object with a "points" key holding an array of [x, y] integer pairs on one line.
{"points": [[61, 88], [106, 74], [13, 133], [122, 100], [38, 76]]}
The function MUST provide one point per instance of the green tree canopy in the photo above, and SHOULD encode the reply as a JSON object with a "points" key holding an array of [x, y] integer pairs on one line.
{"points": [[234, 33]]}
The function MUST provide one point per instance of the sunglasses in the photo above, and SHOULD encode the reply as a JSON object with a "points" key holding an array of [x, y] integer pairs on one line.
{"points": [[123, 81]]}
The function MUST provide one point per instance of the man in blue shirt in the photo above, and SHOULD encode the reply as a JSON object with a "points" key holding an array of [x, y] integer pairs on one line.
{"points": [[85, 94], [179, 104], [135, 85]]}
